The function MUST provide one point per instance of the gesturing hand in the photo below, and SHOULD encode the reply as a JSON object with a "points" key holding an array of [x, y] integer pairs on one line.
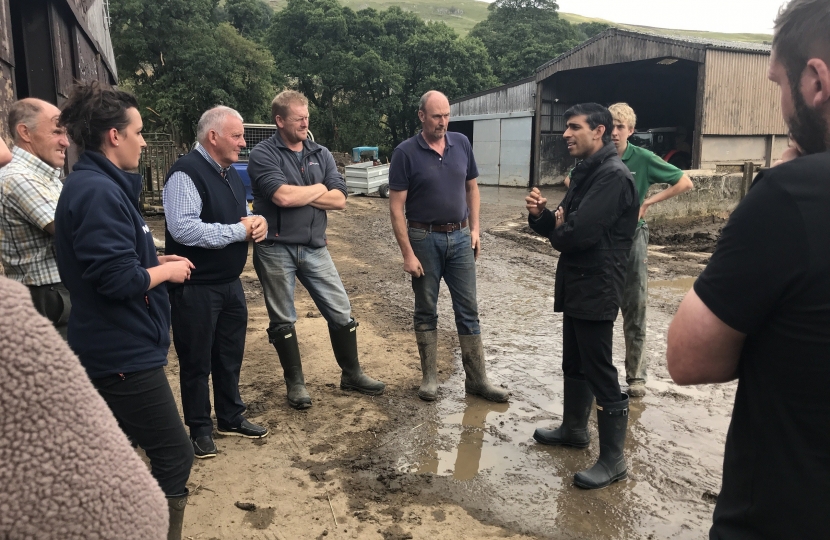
{"points": [[535, 203]]}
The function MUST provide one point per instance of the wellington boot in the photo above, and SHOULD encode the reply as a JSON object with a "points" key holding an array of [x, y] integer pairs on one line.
{"points": [[285, 342], [175, 505], [344, 345], [428, 351], [575, 414], [612, 421], [476, 382]]}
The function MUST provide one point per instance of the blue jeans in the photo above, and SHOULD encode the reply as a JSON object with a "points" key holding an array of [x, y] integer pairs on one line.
{"points": [[277, 265], [449, 256]]}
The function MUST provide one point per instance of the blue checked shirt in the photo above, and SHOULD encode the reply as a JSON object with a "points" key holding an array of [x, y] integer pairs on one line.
{"points": [[183, 206], [29, 191]]}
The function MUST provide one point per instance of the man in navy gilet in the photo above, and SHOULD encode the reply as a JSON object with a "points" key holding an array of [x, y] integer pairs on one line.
{"points": [[208, 221]]}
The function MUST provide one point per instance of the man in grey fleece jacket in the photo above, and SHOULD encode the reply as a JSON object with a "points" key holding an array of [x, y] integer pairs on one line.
{"points": [[295, 181], [67, 470]]}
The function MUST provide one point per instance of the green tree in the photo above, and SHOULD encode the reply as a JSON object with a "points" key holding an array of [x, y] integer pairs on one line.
{"points": [[521, 35], [251, 17], [180, 61], [590, 29]]}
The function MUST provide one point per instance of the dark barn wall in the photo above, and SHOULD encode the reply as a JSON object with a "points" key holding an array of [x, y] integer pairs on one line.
{"points": [[45, 45]]}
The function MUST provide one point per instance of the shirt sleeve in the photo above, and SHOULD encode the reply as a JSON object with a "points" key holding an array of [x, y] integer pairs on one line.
{"points": [[265, 171], [760, 255], [104, 242], [399, 171], [182, 207], [32, 200], [662, 172], [472, 168], [333, 178]]}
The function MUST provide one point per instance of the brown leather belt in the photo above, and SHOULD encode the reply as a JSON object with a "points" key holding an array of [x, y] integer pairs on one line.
{"points": [[444, 227]]}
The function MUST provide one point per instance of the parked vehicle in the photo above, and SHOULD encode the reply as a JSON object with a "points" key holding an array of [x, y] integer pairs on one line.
{"points": [[668, 143]]}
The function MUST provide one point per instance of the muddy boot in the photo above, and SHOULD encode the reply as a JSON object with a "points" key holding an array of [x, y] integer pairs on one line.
{"points": [[175, 506], [577, 410], [285, 342], [344, 345], [428, 351], [612, 421], [476, 382]]}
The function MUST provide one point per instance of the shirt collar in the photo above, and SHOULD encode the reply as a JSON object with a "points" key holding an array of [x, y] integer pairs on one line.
{"points": [[35, 163], [628, 151], [221, 170], [425, 145]]}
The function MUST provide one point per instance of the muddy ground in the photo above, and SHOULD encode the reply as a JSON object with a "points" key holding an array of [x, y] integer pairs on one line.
{"points": [[394, 467]]}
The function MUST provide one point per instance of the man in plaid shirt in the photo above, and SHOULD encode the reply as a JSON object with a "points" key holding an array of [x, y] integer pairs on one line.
{"points": [[29, 189]]}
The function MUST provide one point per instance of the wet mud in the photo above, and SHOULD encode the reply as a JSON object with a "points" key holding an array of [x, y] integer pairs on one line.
{"points": [[394, 466]]}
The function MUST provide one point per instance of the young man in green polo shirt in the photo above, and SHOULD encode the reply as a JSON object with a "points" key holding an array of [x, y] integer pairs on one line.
{"points": [[647, 169]]}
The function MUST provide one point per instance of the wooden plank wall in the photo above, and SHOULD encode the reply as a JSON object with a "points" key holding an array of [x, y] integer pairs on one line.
{"points": [[6, 68], [500, 100], [739, 99]]}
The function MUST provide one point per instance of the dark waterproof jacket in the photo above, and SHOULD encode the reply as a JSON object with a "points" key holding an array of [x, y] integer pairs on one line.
{"points": [[601, 210], [271, 165], [103, 250]]}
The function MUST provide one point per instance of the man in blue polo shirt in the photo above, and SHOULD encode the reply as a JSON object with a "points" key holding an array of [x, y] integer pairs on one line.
{"points": [[434, 203]]}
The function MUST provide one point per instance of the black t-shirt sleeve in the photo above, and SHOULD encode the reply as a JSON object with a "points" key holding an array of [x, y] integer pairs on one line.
{"points": [[761, 253]]}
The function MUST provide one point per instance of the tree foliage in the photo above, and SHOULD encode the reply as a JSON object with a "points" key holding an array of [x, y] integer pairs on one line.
{"points": [[180, 61], [590, 29], [521, 35], [364, 72], [251, 17]]}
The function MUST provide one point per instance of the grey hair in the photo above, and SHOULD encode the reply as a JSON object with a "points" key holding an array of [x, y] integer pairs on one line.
{"points": [[212, 119], [26, 112], [422, 104]]}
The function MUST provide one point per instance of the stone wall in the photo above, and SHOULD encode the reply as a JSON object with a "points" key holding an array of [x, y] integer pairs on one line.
{"points": [[715, 193]]}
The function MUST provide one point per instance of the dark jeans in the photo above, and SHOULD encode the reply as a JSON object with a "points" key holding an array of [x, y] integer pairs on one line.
{"points": [[52, 301], [586, 355], [447, 255], [209, 323], [143, 404]]}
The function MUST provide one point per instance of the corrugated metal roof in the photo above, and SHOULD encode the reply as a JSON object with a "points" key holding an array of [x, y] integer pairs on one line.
{"points": [[693, 42]]}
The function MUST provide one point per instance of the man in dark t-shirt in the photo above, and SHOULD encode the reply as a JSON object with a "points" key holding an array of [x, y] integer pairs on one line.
{"points": [[760, 312], [434, 202]]}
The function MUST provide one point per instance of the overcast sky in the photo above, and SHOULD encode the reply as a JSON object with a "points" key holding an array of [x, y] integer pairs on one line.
{"points": [[754, 16]]}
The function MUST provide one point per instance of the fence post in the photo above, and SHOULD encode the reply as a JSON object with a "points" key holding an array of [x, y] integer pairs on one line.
{"points": [[746, 181]]}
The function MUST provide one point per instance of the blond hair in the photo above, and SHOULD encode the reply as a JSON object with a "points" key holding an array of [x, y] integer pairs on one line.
{"points": [[621, 112], [281, 105]]}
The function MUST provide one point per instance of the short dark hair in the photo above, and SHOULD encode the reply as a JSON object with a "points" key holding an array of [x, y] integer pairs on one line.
{"points": [[92, 110], [596, 115], [802, 31]]}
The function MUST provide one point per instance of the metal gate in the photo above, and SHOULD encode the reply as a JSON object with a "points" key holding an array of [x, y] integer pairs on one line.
{"points": [[156, 160]]}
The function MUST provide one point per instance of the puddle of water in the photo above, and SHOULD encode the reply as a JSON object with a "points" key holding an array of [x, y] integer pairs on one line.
{"points": [[682, 285], [675, 443]]}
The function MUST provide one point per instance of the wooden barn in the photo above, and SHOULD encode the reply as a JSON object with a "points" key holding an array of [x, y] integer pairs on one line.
{"points": [[710, 101], [45, 45]]}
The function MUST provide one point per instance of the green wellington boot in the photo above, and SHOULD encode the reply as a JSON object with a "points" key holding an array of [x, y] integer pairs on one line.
{"points": [[476, 382], [344, 345], [575, 414], [428, 351], [612, 421], [288, 350]]}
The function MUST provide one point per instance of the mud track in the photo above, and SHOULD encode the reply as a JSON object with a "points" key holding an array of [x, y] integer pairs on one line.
{"points": [[395, 467]]}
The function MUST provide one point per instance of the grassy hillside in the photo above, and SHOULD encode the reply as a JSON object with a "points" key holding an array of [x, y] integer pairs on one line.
{"points": [[464, 14]]}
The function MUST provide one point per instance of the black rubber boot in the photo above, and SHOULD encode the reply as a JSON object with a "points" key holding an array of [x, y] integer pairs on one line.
{"points": [[575, 414], [285, 342], [344, 345], [476, 382], [428, 351], [612, 421], [175, 506]]}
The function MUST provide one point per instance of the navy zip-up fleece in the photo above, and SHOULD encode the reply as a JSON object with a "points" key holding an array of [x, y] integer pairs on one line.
{"points": [[271, 165], [103, 249]]}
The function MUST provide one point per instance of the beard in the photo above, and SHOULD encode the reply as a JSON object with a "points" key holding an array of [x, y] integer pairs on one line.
{"points": [[807, 126]]}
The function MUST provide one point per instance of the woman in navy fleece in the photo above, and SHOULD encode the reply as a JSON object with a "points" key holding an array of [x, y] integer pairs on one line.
{"points": [[120, 320]]}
